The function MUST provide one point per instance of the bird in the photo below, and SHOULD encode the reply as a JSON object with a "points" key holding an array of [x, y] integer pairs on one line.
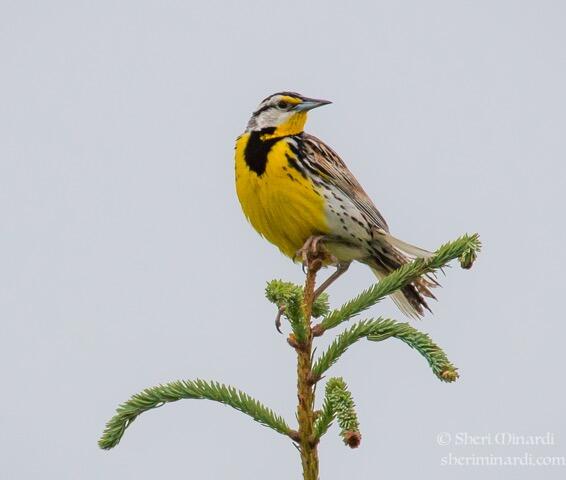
{"points": [[297, 192]]}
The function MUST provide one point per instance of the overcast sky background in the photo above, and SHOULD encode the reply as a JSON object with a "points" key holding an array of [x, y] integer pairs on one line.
{"points": [[125, 260]]}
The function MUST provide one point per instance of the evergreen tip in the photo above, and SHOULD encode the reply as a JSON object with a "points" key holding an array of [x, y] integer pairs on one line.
{"points": [[469, 256], [449, 375], [289, 294], [343, 407]]}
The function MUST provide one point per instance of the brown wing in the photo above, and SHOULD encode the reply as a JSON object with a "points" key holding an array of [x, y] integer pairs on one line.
{"points": [[334, 171]]}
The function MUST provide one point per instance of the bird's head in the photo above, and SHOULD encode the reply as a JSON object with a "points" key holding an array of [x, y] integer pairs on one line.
{"points": [[283, 113]]}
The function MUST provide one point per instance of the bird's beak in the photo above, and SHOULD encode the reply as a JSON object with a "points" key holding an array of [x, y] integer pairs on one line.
{"points": [[310, 103]]}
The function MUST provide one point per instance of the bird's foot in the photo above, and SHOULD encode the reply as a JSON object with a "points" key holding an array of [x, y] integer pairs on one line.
{"points": [[312, 250]]}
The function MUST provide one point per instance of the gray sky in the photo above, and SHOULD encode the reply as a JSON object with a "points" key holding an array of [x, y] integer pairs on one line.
{"points": [[120, 227]]}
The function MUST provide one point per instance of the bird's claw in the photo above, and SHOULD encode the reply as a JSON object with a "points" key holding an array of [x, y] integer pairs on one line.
{"points": [[278, 318]]}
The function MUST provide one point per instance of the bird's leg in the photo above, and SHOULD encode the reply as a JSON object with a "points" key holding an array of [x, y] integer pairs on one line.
{"points": [[313, 249], [341, 268]]}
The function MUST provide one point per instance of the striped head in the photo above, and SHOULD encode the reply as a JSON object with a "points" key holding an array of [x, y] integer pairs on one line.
{"points": [[283, 113]]}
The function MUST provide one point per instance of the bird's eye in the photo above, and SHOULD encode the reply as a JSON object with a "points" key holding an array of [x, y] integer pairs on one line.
{"points": [[282, 105]]}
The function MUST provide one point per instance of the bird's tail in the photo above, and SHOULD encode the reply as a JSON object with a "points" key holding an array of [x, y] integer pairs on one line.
{"points": [[392, 253]]}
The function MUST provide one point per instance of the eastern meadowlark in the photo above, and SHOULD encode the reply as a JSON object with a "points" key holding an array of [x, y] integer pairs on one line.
{"points": [[296, 192]]}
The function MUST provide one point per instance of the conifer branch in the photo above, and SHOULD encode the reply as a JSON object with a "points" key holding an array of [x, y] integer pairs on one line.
{"points": [[343, 405], [381, 329], [299, 305], [157, 396], [465, 248]]}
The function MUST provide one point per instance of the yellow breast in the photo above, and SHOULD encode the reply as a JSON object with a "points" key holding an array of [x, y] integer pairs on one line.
{"points": [[281, 203]]}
